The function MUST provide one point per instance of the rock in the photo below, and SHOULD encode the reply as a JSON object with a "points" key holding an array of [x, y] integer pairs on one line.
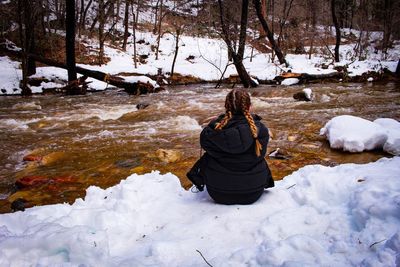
{"points": [[139, 170], [127, 163], [30, 181], [52, 158], [279, 154], [142, 105], [64, 179], [168, 155], [304, 95], [18, 205], [32, 157]]}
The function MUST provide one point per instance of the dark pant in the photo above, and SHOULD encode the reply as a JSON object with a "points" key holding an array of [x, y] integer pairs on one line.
{"points": [[232, 198]]}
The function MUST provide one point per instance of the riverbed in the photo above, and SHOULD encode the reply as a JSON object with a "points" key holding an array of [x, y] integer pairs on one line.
{"points": [[100, 138]]}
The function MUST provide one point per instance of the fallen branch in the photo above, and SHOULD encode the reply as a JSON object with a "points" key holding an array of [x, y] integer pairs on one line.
{"points": [[131, 88], [204, 258], [377, 242]]}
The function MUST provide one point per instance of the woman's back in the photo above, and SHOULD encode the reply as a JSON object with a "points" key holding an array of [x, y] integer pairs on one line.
{"points": [[234, 168]]}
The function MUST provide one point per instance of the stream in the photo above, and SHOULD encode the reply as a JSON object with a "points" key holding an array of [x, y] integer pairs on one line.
{"points": [[101, 138]]}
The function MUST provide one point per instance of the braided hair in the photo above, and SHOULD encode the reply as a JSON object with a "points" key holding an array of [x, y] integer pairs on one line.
{"points": [[238, 102]]}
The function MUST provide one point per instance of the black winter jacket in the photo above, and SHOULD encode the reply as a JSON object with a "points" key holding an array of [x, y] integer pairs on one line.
{"points": [[231, 164]]}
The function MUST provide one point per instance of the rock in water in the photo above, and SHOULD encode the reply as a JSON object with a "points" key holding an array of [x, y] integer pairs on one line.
{"points": [[29, 181], [128, 163], [32, 157], [279, 154], [18, 205], [168, 155], [304, 95], [142, 105]]}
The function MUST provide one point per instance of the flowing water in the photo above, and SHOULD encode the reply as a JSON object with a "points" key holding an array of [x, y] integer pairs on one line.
{"points": [[101, 138]]}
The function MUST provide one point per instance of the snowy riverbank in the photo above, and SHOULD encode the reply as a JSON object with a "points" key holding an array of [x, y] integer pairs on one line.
{"points": [[347, 215], [202, 58]]}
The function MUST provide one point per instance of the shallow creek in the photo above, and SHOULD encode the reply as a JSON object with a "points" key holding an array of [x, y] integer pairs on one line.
{"points": [[101, 138]]}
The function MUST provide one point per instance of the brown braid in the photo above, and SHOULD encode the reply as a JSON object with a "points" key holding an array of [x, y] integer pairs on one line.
{"points": [[238, 101], [224, 121], [254, 132]]}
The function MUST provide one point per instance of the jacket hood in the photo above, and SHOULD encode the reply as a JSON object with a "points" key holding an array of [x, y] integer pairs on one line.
{"points": [[234, 138]]}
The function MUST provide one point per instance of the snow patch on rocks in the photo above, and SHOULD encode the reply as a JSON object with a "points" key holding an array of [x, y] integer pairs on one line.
{"points": [[356, 134]]}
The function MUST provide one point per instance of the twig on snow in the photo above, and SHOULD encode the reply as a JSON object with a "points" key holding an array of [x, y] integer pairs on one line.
{"points": [[377, 242], [204, 258]]}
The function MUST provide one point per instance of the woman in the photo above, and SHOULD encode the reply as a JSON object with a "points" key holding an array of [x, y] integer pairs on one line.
{"points": [[233, 168]]}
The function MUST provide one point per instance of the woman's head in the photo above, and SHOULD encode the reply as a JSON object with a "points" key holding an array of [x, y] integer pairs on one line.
{"points": [[238, 102]]}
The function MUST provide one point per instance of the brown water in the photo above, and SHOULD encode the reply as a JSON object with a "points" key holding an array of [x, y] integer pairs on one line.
{"points": [[101, 138]]}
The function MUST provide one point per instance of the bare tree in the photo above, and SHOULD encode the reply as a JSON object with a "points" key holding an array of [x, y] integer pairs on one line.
{"points": [[27, 14], [160, 18], [270, 35], [101, 16], [179, 26], [388, 14], [82, 17], [70, 40], [337, 28], [126, 24], [237, 55]]}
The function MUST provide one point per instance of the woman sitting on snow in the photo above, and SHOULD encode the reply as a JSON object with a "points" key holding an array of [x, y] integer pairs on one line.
{"points": [[233, 168]]}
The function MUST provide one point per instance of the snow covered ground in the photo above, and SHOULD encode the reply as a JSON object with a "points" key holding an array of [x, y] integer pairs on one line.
{"points": [[356, 134], [204, 58], [347, 215]]}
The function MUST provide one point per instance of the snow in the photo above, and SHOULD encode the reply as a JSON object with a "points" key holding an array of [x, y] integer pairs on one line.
{"points": [[308, 93], [347, 215], [209, 60], [143, 79], [392, 127], [10, 76], [356, 134], [290, 81]]}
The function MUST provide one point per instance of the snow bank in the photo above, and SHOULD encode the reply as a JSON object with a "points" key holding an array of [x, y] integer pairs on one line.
{"points": [[10, 76], [347, 215], [208, 57], [392, 127], [290, 81], [355, 134]]}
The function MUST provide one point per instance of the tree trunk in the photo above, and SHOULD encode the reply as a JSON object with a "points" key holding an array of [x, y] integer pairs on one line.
{"points": [[126, 24], [101, 31], [337, 28], [270, 35], [237, 57], [387, 24], [70, 40], [134, 22], [81, 11], [83, 17], [25, 90], [263, 34], [178, 32], [29, 22], [155, 18], [243, 28], [159, 28]]}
